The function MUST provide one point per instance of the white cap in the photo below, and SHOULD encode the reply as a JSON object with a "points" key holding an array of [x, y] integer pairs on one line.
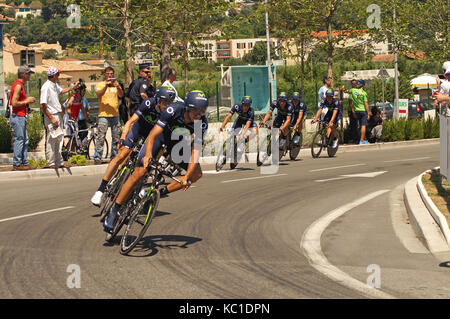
{"points": [[447, 71], [446, 65]]}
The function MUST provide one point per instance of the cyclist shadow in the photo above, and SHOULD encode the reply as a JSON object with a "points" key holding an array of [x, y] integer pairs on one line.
{"points": [[150, 245]]}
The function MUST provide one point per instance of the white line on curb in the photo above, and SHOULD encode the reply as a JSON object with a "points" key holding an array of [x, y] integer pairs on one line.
{"points": [[406, 160], [38, 213], [328, 168], [249, 178], [310, 244]]}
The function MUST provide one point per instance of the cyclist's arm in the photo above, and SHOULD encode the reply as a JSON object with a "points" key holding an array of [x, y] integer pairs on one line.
{"points": [[319, 111], [154, 133], [69, 106], [193, 162], [267, 117], [128, 125], [247, 125], [226, 120], [333, 117], [300, 117], [286, 123]]}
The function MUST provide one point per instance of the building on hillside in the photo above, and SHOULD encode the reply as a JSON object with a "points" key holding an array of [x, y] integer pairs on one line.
{"points": [[15, 55], [44, 46], [34, 8]]}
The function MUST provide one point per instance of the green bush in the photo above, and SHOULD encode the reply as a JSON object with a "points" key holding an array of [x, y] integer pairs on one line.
{"points": [[414, 130], [39, 163], [5, 135], [435, 133], [427, 128], [79, 160], [408, 130], [35, 130]]}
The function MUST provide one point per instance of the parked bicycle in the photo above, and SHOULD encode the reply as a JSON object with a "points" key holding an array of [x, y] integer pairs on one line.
{"points": [[73, 145], [321, 141]]}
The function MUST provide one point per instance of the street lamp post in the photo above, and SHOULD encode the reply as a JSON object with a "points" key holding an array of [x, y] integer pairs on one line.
{"points": [[269, 61], [396, 114]]}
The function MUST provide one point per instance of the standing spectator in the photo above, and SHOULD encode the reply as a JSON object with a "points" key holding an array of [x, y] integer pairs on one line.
{"points": [[75, 109], [353, 123], [18, 120], [53, 117], [323, 89], [360, 107], [141, 88], [171, 77], [444, 88], [123, 109], [83, 120], [375, 125], [108, 92]]}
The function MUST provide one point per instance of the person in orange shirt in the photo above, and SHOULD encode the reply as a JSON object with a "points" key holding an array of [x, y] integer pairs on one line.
{"points": [[108, 93]]}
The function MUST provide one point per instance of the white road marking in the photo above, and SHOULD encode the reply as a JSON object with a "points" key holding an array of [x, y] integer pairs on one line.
{"points": [[369, 175], [310, 244], [38, 213], [336, 167], [249, 178], [406, 160], [219, 172]]}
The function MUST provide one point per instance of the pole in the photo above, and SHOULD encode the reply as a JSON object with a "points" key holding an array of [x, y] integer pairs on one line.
{"points": [[245, 89], [269, 61], [2, 76], [382, 88], [26, 63], [375, 94], [218, 100], [396, 115]]}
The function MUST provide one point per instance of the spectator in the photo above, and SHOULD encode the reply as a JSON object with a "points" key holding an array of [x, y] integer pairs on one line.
{"points": [[171, 77], [82, 119], [360, 108], [108, 92], [323, 89], [141, 88], [53, 117], [353, 124], [375, 125], [18, 120], [123, 109], [444, 88], [76, 110]]}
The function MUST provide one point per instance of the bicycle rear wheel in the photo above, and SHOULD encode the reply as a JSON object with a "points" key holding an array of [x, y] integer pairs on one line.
{"points": [[332, 150], [140, 220], [234, 161], [69, 144], [91, 149], [317, 144], [113, 191]]}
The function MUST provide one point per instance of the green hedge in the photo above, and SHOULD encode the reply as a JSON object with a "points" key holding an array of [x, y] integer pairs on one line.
{"points": [[35, 130], [411, 129]]}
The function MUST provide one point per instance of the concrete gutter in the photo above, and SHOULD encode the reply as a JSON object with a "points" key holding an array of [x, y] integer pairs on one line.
{"points": [[100, 169], [434, 211], [426, 228]]}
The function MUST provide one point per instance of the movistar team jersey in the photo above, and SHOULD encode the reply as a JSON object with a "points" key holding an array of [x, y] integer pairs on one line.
{"points": [[148, 116], [243, 116], [173, 118], [301, 107], [334, 105], [359, 97], [288, 109]]}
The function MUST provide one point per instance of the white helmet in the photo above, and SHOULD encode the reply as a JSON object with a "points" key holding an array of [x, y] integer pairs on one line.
{"points": [[446, 65]]}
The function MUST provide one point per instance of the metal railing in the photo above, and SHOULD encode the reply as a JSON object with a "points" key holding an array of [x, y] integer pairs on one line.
{"points": [[444, 122]]}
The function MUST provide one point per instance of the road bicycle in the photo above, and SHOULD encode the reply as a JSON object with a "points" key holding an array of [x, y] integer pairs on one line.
{"points": [[73, 145], [321, 141], [238, 148], [115, 184], [137, 214]]}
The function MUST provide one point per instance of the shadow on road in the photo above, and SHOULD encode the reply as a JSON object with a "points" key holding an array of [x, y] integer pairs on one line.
{"points": [[150, 245]]}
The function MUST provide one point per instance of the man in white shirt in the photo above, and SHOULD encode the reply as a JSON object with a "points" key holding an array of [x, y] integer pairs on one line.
{"points": [[53, 117], [171, 77]]}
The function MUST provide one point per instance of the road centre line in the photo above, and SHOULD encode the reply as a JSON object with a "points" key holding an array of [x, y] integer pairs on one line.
{"points": [[249, 178], [328, 168], [37, 213], [406, 160], [310, 244]]}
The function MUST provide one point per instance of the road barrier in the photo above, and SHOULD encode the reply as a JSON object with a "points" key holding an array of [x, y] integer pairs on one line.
{"points": [[445, 144]]}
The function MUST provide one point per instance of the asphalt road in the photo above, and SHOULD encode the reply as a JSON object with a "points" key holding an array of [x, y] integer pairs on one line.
{"points": [[235, 235]]}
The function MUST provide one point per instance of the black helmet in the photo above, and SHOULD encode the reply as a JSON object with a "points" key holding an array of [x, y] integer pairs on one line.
{"points": [[282, 96], [360, 83], [246, 100], [197, 100], [166, 92], [295, 96]]}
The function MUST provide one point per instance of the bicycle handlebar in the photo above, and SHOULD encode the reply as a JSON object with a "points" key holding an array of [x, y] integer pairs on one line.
{"points": [[153, 164]]}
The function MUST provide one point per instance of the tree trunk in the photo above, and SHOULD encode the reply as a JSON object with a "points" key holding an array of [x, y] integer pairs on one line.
{"points": [[302, 66], [129, 75], [186, 76], [330, 51], [164, 66]]}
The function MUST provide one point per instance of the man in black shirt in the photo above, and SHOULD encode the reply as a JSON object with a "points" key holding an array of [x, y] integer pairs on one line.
{"points": [[140, 89], [375, 125]]}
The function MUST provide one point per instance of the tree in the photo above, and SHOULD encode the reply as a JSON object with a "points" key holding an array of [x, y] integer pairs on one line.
{"points": [[258, 55]]}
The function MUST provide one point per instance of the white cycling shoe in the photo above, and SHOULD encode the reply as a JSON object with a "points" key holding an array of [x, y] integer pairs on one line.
{"points": [[97, 198]]}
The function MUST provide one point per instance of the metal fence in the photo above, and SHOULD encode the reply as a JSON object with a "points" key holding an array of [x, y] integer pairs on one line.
{"points": [[445, 142]]}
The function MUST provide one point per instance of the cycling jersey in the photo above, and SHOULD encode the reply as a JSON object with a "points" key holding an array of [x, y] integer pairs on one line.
{"points": [[334, 105], [281, 114], [301, 107], [243, 117]]}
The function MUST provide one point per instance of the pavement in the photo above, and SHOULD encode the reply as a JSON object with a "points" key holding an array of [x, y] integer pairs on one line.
{"points": [[317, 228]]}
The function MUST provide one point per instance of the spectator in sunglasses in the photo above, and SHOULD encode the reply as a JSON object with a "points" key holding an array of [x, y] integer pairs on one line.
{"points": [[140, 89]]}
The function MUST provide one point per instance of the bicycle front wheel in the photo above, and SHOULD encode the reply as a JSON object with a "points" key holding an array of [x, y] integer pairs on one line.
{"points": [[221, 157], [293, 153], [317, 144], [91, 149], [332, 150], [139, 221]]}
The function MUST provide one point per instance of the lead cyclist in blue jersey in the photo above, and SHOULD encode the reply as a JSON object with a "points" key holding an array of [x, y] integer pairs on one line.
{"points": [[284, 116], [245, 119], [299, 115]]}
